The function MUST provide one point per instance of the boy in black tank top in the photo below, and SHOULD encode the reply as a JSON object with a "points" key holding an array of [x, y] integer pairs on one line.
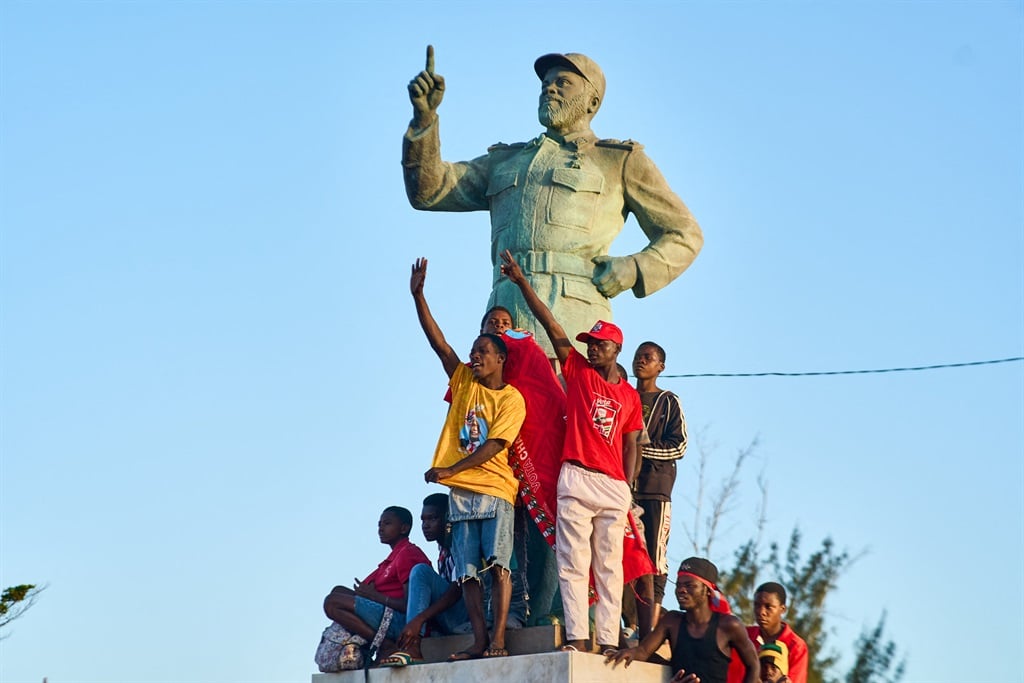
{"points": [[703, 636]]}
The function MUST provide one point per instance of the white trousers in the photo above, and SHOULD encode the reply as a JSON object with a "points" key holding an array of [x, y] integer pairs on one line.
{"points": [[589, 534]]}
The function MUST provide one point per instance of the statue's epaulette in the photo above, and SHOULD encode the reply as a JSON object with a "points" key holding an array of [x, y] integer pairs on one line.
{"points": [[498, 146], [628, 145]]}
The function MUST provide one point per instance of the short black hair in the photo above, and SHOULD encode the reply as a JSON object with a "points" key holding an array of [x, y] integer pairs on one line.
{"points": [[772, 587], [439, 501], [498, 342], [492, 309], [656, 347], [404, 516]]}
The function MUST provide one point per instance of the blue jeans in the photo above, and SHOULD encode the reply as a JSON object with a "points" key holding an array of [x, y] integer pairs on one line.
{"points": [[425, 588], [372, 612], [481, 532]]}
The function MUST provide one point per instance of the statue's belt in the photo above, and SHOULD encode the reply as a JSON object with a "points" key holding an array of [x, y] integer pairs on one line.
{"points": [[555, 262]]}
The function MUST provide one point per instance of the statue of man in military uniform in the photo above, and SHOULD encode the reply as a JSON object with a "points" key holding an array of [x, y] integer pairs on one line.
{"points": [[558, 201]]}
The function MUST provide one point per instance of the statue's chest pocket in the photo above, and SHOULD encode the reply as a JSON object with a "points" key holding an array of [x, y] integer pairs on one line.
{"points": [[574, 197], [503, 198]]}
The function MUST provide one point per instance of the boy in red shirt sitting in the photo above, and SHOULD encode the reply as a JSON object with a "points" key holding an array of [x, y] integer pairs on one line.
{"points": [[383, 593]]}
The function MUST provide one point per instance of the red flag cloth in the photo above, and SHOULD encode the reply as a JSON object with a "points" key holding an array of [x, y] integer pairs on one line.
{"points": [[536, 456]]}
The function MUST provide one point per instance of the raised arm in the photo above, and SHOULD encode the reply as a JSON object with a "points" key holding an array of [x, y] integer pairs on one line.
{"points": [[444, 351], [559, 340]]}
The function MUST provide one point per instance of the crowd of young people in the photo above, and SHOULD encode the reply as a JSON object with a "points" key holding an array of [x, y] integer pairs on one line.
{"points": [[591, 463]]}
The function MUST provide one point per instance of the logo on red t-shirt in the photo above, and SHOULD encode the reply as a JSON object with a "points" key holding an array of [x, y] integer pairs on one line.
{"points": [[603, 412]]}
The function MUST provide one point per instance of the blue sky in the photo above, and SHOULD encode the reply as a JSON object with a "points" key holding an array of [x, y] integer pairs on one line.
{"points": [[212, 375]]}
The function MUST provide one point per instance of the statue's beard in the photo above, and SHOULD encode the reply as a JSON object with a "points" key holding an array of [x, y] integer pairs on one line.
{"points": [[561, 115]]}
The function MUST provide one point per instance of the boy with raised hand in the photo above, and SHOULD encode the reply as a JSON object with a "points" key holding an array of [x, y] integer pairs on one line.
{"points": [[472, 460], [603, 420]]}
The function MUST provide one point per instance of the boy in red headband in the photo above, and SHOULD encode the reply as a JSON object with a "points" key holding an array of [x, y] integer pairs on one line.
{"points": [[703, 636], [603, 420]]}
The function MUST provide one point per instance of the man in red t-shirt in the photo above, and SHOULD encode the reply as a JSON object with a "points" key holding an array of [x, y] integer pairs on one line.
{"points": [[603, 419]]}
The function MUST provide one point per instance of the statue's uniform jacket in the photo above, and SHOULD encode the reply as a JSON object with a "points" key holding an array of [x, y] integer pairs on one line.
{"points": [[556, 205]]}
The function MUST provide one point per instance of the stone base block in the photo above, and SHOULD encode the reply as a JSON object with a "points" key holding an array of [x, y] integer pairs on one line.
{"points": [[548, 667]]}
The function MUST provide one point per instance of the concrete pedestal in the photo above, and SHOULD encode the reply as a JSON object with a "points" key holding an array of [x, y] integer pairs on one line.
{"points": [[548, 667]]}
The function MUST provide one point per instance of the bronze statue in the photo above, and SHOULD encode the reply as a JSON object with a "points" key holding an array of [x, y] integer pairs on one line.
{"points": [[558, 201]]}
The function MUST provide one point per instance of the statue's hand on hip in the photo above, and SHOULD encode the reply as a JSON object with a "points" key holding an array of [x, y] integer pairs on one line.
{"points": [[614, 274], [426, 91]]}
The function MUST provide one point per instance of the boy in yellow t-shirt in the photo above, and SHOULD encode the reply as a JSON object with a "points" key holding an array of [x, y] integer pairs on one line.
{"points": [[472, 459]]}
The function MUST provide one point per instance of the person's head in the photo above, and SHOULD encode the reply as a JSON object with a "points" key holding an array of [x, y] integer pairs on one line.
{"points": [[496, 321], [487, 357], [434, 516], [395, 524], [769, 607], [572, 89], [648, 361], [604, 342], [697, 578], [774, 658]]}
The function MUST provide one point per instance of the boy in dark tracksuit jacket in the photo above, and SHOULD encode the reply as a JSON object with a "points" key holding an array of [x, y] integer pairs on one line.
{"points": [[665, 429]]}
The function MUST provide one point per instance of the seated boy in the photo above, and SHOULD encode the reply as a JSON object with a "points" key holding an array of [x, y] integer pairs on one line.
{"points": [[435, 598], [381, 596]]}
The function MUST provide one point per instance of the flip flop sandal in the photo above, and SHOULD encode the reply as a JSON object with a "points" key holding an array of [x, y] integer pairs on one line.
{"points": [[495, 652], [396, 659]]}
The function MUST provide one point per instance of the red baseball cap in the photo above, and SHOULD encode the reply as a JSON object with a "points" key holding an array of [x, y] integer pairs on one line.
{"points": [[601, 330]]}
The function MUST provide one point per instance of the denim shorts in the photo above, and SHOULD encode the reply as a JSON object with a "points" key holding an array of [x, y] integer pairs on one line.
{"points": [[487, 540], [372, 612]]}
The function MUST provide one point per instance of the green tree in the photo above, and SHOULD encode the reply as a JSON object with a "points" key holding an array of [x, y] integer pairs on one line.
{"points": [[808, 585], [16, 600], [808, 582], [876, 660]]}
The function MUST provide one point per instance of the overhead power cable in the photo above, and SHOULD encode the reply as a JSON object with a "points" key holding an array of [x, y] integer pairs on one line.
{"points": [[849, 372]]}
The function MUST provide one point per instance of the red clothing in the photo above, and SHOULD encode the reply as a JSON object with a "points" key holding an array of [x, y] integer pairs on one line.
{"points": [[797, 654], [392, 574], [598, 414]]}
